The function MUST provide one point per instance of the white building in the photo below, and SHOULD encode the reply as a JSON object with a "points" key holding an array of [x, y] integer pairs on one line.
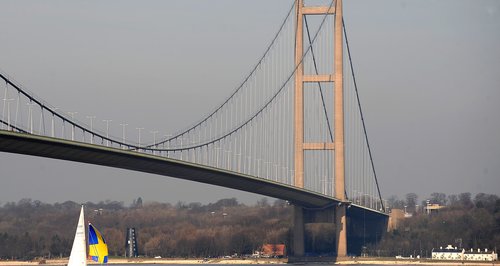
{"points": [[431, 208], [453, 253], [448, 253], [480, 255]]}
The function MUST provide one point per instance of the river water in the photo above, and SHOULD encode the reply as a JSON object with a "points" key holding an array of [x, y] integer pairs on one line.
{"points": [[301, 264]]}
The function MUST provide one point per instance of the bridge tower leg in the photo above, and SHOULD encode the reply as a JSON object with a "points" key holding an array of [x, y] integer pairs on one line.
{"points": [[340, 213], [338, 144]]}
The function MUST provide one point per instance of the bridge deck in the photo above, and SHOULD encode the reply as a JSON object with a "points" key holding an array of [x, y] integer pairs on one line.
{"points": [[35, 145]]}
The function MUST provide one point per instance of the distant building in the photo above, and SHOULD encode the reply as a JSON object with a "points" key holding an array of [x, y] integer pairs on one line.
{"points": [[454, 253], [273, 250], [396, 218], [430, 208], [480, 255], [447, 253]]}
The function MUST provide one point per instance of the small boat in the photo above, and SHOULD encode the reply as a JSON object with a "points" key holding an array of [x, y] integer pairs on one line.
{"points": [[98, 250]]}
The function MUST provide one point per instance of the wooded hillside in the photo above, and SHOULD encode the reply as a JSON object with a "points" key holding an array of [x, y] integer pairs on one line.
{"points": [[33, 229], [464, 222]]}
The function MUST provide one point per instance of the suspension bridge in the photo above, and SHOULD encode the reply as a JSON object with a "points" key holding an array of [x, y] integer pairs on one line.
{"points": [[293, 129]]}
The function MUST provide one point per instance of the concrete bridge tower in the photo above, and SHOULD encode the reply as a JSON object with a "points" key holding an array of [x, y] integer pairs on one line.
{"points": [[337, 146]]}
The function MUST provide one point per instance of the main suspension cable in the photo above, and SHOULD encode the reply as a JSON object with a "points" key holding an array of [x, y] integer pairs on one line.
{"points": [[268, 49], [362, 117]]}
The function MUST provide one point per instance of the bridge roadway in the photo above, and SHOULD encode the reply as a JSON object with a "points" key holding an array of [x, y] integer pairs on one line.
{"points": [[21, 143]]}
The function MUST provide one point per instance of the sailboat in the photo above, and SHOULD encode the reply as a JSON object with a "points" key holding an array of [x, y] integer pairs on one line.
{"points": [[98, 250], [78, 256]]}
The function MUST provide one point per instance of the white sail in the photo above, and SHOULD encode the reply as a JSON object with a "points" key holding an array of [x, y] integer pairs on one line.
{"points": [[78, 256]]}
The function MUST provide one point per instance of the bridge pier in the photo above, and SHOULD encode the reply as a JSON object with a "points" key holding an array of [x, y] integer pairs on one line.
{"points": [[330, 234], [298, 231], [319, 232], [341, 230]]}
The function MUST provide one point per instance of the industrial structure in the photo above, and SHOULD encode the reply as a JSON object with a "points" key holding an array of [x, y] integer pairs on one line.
{"points": [[131, 249]]}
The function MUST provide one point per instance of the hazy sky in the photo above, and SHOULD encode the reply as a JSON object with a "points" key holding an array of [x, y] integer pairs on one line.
{"points": [[428, 74]]}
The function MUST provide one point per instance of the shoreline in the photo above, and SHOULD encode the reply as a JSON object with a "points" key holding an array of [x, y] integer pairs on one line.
{"points": [[178, 261], [164, 261], [430, 262]]}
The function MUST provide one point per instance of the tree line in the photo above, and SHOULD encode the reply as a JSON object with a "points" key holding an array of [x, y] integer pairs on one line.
{"points": [[464, 222], [31, 228]]}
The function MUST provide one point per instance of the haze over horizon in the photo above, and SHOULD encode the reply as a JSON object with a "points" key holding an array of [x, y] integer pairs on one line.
{"points": [[428, 74]]}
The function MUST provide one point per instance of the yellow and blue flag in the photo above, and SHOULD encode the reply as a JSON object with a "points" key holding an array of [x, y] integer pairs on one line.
{"points": [[98, 250]]}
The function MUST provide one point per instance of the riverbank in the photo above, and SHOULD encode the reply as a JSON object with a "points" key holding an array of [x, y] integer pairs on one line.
{"points": [[347, 261], [149, 261], [391, 261]]}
